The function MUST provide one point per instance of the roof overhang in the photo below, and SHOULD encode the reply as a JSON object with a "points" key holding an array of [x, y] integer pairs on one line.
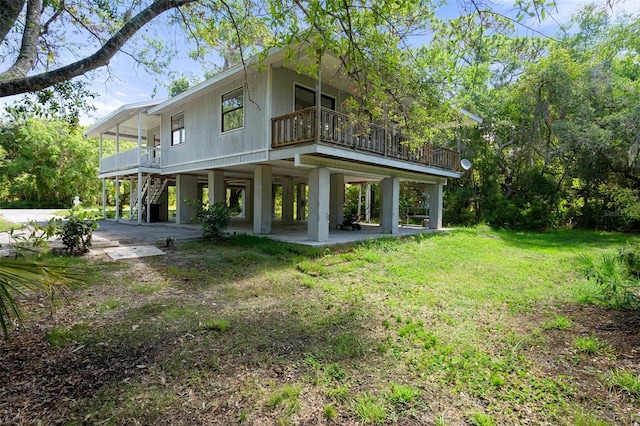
{"points": [[125, 117]]}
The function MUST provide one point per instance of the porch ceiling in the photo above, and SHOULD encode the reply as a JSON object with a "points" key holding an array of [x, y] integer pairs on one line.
{"points": [[330, 66], [127, 117]]}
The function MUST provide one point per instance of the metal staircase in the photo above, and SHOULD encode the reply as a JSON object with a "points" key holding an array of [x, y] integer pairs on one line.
{"points": [[152, 190]]}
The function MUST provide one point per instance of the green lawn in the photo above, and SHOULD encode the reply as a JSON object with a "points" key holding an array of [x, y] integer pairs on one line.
{"points": [[5, 225], [472, 326]]}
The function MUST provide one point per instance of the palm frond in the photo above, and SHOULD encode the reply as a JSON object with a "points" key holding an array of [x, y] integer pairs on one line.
{"points": [[18, 276]]}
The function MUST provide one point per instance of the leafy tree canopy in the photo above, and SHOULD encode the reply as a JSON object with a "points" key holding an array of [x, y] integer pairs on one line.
{"points": [[47, 42]]}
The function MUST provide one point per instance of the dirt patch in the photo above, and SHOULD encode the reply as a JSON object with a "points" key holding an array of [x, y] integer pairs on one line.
{"points": [[557, 355]]}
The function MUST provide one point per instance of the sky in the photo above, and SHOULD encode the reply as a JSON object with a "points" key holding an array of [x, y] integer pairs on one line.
{"points": [[124, 81]]}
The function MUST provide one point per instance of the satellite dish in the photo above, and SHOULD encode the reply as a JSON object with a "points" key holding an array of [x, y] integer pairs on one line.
{"points": [[466, 164]]}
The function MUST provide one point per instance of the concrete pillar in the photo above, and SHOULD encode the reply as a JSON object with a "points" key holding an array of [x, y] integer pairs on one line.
{"points": [[318, 222], [287, 201], [262, 199], [247, 201], [217, 191], [301, 201], [390, 205], [336, 200], [435, 206], [186, 189]]}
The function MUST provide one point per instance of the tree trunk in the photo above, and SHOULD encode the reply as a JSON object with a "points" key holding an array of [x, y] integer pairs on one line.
{"points": [[16, 86]]}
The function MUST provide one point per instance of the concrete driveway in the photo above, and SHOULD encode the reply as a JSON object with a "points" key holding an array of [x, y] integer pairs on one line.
{"points": [[25, 215], [123, 232]]}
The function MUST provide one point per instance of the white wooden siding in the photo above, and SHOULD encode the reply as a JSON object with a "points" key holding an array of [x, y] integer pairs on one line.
{"points": [[203, 128]]}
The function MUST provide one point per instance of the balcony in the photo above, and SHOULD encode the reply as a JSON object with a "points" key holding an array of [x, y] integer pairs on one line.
{"points": [[146, 156], [300, 128]]}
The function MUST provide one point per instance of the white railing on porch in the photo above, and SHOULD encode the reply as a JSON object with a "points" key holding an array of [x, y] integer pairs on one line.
{"points": [[145, 156]]}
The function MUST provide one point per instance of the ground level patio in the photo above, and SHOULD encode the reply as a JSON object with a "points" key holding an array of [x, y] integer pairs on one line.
{"points": [[129, 232]]}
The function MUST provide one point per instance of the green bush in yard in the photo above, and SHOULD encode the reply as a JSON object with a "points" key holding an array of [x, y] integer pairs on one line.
{"points": [[214, 219], [76, 233]]}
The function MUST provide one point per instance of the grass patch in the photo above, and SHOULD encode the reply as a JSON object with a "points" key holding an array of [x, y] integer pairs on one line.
{"points": [[63, 336], [5, 225], [330, 413], [441, 327], [219, 325], [624, 380], [591, 345], [482, 419], [370, 410], [286, 399], [557, 323], [110, 305], [403, 396]]}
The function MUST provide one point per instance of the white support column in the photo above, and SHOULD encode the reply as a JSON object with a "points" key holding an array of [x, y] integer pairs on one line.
{"points": [[301, 201], [140, 140], [131, 188], [140, 199], [336, 200], [318, 222], [148, 197], [217, 191], [287, 200], [318, 105], [117, 193], [104, 198], [262, 199], [390, 205], [435, 206], [117, 185], [186, 189]]}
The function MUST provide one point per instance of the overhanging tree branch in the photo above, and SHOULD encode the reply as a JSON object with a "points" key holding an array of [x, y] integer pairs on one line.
{"points": [[100, 58]]}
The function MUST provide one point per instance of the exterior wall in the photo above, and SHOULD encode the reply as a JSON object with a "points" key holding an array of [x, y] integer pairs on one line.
{"points": [[203, 128], [284, 81], [150, 134]]}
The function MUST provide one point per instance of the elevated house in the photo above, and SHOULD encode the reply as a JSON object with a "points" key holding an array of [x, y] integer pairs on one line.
{"points": [[255, 127]]}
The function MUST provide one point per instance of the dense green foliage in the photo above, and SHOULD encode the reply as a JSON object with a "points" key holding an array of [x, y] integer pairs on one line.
{"points": [[559, 143], [45, 163], [214, 219], [76, 232]]}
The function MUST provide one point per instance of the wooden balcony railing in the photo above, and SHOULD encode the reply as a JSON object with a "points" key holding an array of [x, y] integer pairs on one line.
{"points": [[336, 129]]}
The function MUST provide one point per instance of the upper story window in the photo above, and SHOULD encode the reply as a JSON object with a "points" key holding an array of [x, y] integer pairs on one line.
{"points": [[156, 139], [306, 98], [177, 129], [232, 110]]}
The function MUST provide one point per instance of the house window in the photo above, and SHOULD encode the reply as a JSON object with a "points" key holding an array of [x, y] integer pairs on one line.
{"points": [[232, 110], [177, 129], [155, 152], [306, 98]]}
